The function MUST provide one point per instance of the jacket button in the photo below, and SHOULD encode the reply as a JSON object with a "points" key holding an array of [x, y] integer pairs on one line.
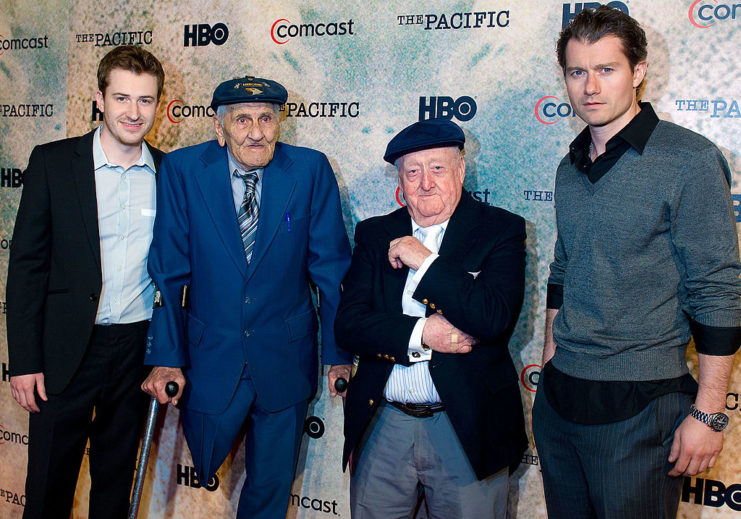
{"points": [[393, 359], [424, 301], [247, 300], [371, 402], [432, 305], [439, 311], [246, 333], [93, 297]]}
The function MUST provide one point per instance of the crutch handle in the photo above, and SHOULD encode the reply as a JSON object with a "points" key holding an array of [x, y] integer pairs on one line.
{"points": [[340, 384]]}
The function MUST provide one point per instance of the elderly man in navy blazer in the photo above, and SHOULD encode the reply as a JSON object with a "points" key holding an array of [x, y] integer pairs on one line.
{"points": [[244, 225], [429, 303]]}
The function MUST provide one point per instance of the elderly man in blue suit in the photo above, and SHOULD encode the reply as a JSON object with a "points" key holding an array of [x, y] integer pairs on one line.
{"points": [[244, 225]]}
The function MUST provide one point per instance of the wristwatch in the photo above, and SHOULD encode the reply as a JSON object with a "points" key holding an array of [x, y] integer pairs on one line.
{"points": [[716, 421]]}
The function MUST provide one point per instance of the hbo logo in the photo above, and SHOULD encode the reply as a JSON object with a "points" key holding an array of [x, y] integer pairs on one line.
{"points": [[203, 34], [463, 108]]}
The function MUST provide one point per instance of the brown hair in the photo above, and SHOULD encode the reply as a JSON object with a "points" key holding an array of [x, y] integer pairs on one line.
{"points": [[131, 58], [593, 24]]}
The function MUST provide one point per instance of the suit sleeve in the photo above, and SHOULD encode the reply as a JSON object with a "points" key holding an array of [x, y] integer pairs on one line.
{"points": [[169, 267], [328, 257], [28, 270], [488, 305], [362, 327]]}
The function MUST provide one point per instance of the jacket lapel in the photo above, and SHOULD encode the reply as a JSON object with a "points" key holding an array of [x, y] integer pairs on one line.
{"points": [[83, 173], [215, 185], [278, 184], [157, 156], [400, 224], [460, 235]]}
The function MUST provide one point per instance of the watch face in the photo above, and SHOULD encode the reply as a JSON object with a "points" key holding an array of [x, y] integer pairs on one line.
{"points": [[719, 421]]}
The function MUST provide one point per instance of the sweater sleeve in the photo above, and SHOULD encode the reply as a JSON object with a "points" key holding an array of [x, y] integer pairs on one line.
{"points": [[704, 236], [554, 297]]}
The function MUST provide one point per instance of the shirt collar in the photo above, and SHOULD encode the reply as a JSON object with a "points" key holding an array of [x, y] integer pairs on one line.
{"points": [[236, 169], [636, 133], [100, 159], [416, 226]]}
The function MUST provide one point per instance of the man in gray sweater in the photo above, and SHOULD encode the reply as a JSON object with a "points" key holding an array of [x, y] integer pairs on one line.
{"points": [[646, 257]]}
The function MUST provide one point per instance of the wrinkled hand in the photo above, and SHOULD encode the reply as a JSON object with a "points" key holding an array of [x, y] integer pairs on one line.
{"points": [[408, 251], [443, 337], [158, 378], [22, 388], [695, 448], [335, 372]]}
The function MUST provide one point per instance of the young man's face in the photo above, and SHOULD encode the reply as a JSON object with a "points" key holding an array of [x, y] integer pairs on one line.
{"points": [[600, 82], [128, 105]]}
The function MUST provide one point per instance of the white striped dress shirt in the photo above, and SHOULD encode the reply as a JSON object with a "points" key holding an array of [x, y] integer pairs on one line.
{"points": [[413, 384]]}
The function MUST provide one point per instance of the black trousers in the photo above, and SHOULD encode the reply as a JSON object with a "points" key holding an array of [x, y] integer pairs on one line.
{"points": [[617, 470], [102, 403]]}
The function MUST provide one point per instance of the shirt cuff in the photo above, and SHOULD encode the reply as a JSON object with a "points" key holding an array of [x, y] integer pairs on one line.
{"points": [[418, 352], [417, 277], [554, 297], [715, 340]]}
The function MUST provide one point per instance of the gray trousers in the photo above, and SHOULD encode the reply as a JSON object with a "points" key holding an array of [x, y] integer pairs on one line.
{"points": [[610, 471], [404, 457]]}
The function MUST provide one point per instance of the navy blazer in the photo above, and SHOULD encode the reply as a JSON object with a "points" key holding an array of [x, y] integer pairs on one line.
{"points": [[54, 272], [479, 389], [261, 314]]}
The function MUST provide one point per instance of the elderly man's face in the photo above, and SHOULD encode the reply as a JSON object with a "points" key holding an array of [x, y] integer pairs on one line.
{"points": [[431, 181], [250, 130]]}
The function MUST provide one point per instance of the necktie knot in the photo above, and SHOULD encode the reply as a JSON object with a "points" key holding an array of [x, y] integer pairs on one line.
{"points": [[249, 178]]}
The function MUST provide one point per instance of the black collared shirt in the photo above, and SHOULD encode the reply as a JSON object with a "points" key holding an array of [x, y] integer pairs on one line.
{"points": [[634, 135], [590, 401]]}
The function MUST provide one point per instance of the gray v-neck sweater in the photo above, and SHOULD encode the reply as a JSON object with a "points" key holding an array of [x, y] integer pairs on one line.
{"points": [[648, 247]]}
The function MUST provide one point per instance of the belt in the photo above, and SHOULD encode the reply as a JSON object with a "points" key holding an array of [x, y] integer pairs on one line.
{"points": [[418, 410]]}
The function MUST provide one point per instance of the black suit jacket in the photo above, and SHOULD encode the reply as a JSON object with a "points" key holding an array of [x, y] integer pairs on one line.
{"points": [[54, 272], [479, 389]]}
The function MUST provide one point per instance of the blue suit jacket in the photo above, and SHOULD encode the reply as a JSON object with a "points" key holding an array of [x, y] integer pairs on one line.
{"points": [[261, 314]]}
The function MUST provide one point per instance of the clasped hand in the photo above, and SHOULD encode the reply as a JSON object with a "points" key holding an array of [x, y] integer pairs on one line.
{"points": [[443, 337]]}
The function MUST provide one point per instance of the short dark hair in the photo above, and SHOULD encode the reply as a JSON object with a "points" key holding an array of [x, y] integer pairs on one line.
{"points": [[131, 58], [591, 25]]}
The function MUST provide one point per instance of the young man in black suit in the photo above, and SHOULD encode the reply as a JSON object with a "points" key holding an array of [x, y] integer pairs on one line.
{"points": [[79, 296], [429, 303]]}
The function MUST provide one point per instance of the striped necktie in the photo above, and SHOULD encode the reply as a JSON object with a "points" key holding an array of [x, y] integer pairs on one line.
{"points": [[248, 212]]}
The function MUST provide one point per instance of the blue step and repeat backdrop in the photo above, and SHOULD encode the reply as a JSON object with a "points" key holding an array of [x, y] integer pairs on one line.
{"points": [[358, 72]]}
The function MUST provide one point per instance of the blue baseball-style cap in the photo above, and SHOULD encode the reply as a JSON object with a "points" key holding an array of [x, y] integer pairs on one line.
{"points": [[249, 89], [422, 135]]}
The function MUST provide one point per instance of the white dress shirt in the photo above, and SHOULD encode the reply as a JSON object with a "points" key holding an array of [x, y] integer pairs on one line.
{"points": [[126, 210], [413, 384]]}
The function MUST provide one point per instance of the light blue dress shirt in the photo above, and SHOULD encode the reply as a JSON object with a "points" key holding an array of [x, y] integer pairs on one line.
{"points": [[238, 184], [126, 210]]}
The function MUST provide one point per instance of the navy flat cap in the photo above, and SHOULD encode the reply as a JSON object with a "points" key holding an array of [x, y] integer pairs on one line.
{"points": [[422, 135], [249, 89]]}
